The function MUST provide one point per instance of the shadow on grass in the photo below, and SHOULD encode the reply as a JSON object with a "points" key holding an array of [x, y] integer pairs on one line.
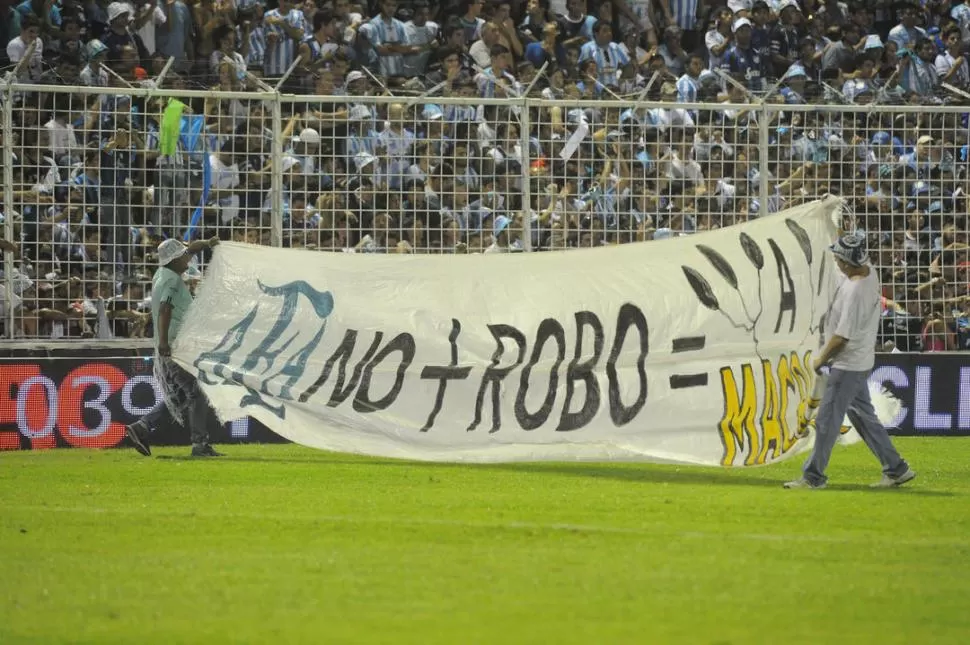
{"points": [[627, 472], [666, 474], [644, 473], [229, 458], [908, 489]]}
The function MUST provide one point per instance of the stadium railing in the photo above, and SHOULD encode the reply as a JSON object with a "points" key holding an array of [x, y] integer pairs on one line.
{"points": [[88, 190]]}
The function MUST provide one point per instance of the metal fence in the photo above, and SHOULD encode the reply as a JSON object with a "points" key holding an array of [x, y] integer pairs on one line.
{"points": [[94, 178]]}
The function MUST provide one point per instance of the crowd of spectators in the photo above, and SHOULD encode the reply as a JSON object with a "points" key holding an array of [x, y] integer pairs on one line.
{"points": [[97, 187]]}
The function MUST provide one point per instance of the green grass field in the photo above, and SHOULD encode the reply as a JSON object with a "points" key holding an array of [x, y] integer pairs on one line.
{"points": [[283, 544]]}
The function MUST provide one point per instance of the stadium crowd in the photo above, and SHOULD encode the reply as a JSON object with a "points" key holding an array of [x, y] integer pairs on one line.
{"points": [[99, 179]]}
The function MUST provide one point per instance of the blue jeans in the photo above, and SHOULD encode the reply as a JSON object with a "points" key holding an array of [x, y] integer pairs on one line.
{"points": [[848, 393]]}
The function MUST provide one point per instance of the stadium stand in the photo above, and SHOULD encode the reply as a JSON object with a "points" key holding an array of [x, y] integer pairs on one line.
{"points": [[404, 127]]}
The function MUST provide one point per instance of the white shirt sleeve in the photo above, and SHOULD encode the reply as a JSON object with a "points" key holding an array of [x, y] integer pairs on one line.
{"points": [[942, 65], [16, 50], [848, 323]]}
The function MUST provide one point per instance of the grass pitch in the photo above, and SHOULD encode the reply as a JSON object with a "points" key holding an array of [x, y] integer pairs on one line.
{"points": [[283, 544]]}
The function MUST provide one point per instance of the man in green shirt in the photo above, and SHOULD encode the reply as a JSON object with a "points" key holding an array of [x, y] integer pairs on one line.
{"points": [[183, 400]]}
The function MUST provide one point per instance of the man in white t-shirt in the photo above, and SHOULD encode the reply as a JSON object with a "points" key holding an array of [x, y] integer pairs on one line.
{"points": [[28, 45], [851, 327], [147, 16]]}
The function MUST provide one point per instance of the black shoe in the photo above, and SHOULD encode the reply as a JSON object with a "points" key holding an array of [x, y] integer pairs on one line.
{"points": [[138, 435], [205, 450]]}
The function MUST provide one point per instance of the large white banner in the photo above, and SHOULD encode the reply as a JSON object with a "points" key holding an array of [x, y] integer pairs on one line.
{"points": [[692, 350]]}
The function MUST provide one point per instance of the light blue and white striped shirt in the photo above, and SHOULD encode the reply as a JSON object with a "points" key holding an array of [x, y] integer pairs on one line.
{"points": [[392, 33], [317, 49], [281, 54], [687, 88], [919, 77], [363, 141], [961, 13], [398, 147], [685, 13], [257, 47], [610, 59], [415, 64], [487, 81]]}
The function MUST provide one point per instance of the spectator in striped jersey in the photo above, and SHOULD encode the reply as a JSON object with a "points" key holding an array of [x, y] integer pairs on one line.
{"points": [[285, 29], [318, 50], [174, 37], [251, 34], [683, 13], [387, 37], [609, 56], [688, 85], [906, 33], [421, 31], [917, 73], [497, 81], [228, 67], [951, 64]]}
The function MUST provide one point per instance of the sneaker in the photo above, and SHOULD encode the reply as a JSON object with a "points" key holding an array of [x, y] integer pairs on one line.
{"points": [[205, 450], [801, 482], [137, 434], [893, 482]]}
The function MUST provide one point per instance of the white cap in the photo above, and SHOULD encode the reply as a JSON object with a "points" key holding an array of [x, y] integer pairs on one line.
{"points": [[788, 3], [740, 22], [116, 9], [310, 136], [364, 159], [170, 250], [354, 76], [358, 113], [288, 161], [795, 71], [873, 42]]}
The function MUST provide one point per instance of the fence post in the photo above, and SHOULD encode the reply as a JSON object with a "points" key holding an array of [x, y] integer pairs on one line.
{"points": [[525, 127], [764, 126], [8, 233], [276, 185]]}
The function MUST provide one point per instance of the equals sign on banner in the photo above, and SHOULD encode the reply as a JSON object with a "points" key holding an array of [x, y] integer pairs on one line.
{"points": [[688, 344]]}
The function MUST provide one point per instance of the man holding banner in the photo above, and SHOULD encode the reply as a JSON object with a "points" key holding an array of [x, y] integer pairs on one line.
{"points": [[853, 319], [182, 398]]}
